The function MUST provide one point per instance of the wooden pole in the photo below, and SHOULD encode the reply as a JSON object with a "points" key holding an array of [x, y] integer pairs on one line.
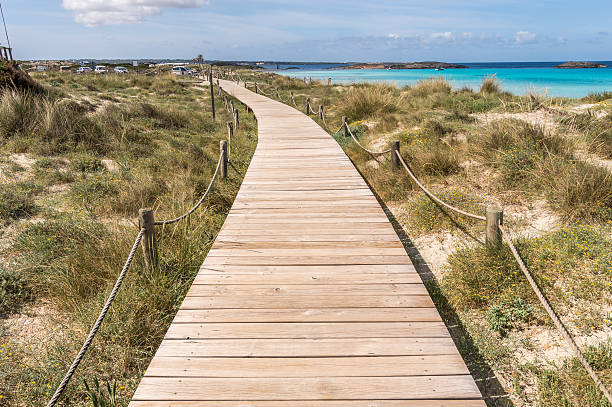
{"points": [[146, 220], [395, 149], [236, 119], [495, 218], [321, 112], [277, 94], [308, 106], [212, 93], [345, 126], [224, 160], [256, 89], [230, 134]]}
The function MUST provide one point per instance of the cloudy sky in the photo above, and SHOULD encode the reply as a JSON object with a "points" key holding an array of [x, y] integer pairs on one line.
{"points": [[314, 30]]}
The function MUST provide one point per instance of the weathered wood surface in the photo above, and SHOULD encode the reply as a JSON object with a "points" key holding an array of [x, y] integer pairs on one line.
{"points": [[307, 297]]}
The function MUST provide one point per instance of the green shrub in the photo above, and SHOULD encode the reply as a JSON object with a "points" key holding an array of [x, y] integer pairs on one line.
{"points": [[13, 291], [16, 200], [508, 315], [426, 216], [92, 191], [86, 163], [434, 130]]}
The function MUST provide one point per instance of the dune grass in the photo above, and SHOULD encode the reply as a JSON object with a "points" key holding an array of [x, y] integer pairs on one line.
{"points": [[471, 162], [110, 156]]}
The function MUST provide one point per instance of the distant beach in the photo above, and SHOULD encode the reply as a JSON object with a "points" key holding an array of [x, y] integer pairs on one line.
{"points": [[515, 77]]}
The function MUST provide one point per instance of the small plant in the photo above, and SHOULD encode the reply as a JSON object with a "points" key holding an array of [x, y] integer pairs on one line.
{"points": [[101, 396], [12, 291], [490, 85], [86, 163], [508, 315], [363, 102], [16, 200]]}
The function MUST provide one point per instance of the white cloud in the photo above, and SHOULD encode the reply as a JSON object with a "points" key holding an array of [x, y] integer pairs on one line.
{"points": [[524, 37], [447, 35], [393, 36], [99, 12]]}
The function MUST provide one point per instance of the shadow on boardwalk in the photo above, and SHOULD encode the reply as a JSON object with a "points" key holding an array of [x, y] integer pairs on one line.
{"points": [[488, 384]]}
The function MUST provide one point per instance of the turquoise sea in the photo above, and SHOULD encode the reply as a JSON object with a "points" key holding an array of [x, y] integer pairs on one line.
{"points": [[518, 80]]}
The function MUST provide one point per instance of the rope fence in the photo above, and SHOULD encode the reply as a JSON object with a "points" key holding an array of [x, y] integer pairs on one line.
{"points": [[496, 232], [146, 236]]}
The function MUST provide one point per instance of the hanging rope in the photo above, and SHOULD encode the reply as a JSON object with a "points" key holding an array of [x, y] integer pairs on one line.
{"points": [[197, 205], [96, 326], [365, 149]]}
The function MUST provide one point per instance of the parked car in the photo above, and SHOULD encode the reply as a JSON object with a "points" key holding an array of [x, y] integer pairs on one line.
{"points": [[64, 68], [120, 69], [101, 69], [84, 69], [181, 70]]}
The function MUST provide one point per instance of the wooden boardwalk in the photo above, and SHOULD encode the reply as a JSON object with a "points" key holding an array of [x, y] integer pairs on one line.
{"points": [[307, 297]]}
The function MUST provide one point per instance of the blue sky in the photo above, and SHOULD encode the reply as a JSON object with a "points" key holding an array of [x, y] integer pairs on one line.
{"points": [[315, 30]]}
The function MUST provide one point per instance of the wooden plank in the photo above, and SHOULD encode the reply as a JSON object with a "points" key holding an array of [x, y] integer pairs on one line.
{"points": [[223, 290], [308, 367], [327, 270], [307, 278], [308, 315], [314, 403], [309, 301], [301, 347], [280, 330], [345, 388]]}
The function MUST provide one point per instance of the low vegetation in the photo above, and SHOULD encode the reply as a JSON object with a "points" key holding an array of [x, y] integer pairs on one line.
{"points": [[77, 162], [474, 148]]}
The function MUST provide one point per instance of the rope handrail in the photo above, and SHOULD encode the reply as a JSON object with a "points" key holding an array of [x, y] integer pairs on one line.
{"points": [[359, 144], [553, 316], [197, 205], [431, 195], [94, 330]]}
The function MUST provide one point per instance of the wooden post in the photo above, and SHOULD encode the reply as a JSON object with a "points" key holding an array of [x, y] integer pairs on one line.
{"points": [[345, 126], [225, 102], [308, 106], [395, 147], [291, 94], [223, 152], [256, 89], [230, 134], [277, 94], [495, 217], [236, 119], [149, 242], [212, 93], [220, 90], [321, 112], [10, 50]]}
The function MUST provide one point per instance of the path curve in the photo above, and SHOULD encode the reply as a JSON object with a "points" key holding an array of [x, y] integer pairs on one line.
{"points": [[307, 297]]}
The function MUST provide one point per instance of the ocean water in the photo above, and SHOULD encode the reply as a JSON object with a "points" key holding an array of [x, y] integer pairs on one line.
{"points": [[516, 77]]}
